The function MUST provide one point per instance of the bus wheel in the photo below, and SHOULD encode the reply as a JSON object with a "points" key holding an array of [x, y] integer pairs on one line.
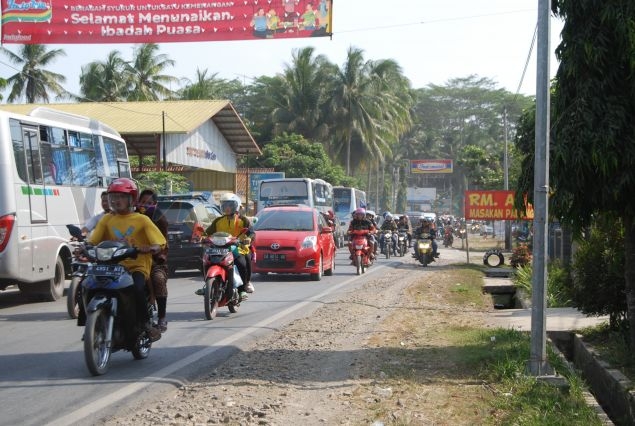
{"points": [[52, 289]]}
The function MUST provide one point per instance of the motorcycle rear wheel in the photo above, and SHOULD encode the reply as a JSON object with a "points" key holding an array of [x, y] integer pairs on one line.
{"points": [[211, 295], [96, 350], [142, 346], [359, 264], [72, 298]]}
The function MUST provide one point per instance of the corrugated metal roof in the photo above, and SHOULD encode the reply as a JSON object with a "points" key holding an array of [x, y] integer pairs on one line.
{"points": [[143, 121]]}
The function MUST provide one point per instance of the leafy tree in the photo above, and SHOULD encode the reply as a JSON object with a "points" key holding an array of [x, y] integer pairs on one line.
{"points": [[298, 157], [106, 81], [592, 145], [148, 83], [162, 182], [33, 82]]}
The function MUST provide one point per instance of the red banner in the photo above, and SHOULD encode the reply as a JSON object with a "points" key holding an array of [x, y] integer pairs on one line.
{"points": [[493, 205], [156, 21]]}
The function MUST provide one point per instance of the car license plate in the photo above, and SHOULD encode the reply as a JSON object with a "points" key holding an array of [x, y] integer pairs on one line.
{"points": [[275, 257], [215, 251], [106, 270]]}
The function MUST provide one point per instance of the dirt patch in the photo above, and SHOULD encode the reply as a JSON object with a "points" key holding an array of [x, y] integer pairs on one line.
{"points": [[354, 361]]}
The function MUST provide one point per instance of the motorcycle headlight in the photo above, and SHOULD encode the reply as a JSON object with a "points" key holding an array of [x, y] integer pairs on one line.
{"points": [[310, 242], [106, 253]]}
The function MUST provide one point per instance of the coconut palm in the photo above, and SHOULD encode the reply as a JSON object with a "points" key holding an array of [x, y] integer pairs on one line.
{"points": [[370, 104], [106, 81], [148, 83], [33, 83], [299, 95], [210, 87]]}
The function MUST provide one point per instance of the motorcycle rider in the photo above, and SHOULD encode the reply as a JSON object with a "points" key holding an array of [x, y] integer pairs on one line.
{"points": [[370, 215], [360, 222], [389, 225], [125, 224], [92, 222], [426, 229], [233, 222], [404, 225], [147, 205]]}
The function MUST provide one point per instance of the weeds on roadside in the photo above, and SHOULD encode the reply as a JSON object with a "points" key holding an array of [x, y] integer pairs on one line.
{"points": [[558, 286], [612, 347]]}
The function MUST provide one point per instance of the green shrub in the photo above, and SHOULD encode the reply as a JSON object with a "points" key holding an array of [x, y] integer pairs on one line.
{"points": [[598, 286], [558, 283]]}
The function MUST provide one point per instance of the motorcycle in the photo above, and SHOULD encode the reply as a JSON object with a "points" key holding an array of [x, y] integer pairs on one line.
{"points": [[387, 243], [402, 243], [360, 250], [108, 295], [218, 263], [423, 251], [79, 265], [448, 238]]}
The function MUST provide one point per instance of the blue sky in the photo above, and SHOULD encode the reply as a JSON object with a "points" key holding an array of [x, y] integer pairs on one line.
{"points": [[433, 41]]}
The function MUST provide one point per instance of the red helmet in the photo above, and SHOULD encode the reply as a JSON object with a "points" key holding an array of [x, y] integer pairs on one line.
{"points": [[125, 186]]}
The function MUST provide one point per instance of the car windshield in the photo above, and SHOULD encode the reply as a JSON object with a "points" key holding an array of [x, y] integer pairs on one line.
{"points": [[176, 212], [280, 220]]}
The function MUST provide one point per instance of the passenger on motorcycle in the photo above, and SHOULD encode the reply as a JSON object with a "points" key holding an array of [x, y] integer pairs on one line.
{"points": [[233, 222], [360, 222], [389, 225], [404, 225], [147, 205], [427, 229], [124, 224], [370, 215]]}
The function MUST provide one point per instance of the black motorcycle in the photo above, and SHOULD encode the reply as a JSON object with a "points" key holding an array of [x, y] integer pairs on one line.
{"points": [[111, 322]]}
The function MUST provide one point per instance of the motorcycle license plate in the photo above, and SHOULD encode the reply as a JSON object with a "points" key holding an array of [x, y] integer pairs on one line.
{"points": [[274, 257], [106, 270], [215, 251], [359, 247]]}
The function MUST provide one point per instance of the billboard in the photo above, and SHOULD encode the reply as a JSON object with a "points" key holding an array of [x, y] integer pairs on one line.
{"points": [[493, 205], [430, 166], [161, 21]]}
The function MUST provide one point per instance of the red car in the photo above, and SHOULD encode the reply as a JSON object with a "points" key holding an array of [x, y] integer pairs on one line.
{"points": [[294, 239]]}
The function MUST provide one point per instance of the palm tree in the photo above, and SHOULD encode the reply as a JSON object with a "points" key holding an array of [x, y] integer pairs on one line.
{"points": [[106, 81], [212, 87], [147, 81], [370, 104], [298, 95], [33, 83]]}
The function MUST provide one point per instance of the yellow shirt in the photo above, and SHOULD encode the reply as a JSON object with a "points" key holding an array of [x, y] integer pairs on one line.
{"points": [[233, 225], [134, 228]]}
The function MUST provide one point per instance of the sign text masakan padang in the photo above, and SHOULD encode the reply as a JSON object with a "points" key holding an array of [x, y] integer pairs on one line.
{"points": [[493, 205]]}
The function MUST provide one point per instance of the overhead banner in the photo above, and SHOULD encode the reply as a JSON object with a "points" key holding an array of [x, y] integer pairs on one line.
{"points": [[493, 205], [430, 166], [157, 21]]}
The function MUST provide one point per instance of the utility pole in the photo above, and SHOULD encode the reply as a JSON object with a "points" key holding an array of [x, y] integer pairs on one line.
{"points": [[538, 365], [508, 225]]}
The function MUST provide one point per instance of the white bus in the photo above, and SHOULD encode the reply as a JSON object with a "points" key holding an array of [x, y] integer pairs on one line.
{"points": [[345, 201], [53, 168], [312, 192]]}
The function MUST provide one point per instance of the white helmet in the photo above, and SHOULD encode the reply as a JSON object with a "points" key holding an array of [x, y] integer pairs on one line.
{"points": [[229, 203]]}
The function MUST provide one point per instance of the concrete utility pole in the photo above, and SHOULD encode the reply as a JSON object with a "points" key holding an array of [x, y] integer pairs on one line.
{"points": [[508, 224], [538, 365]]}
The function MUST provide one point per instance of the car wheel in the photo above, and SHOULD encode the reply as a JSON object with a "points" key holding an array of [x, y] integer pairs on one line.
{"points": [[318, 276], [330, 270]]}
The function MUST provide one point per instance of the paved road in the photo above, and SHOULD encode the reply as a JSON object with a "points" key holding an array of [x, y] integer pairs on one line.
{"points": [[43, 378]]}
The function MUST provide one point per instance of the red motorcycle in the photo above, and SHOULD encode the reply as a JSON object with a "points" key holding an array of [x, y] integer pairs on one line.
{"points": [[360, 249], [218, 263]]}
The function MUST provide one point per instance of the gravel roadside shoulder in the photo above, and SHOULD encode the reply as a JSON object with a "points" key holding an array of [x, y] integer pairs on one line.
{"points": [[322, 369]]}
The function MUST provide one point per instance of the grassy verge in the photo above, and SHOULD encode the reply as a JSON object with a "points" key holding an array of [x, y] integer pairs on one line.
{"points": [[444, 367], [611, 347]]}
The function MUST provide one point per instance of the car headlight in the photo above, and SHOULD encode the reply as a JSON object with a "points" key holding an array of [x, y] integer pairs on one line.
{"points": [[310, 242]]}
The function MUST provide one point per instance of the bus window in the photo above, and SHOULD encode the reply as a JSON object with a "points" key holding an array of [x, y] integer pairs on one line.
{"points": [[18, 150]]}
